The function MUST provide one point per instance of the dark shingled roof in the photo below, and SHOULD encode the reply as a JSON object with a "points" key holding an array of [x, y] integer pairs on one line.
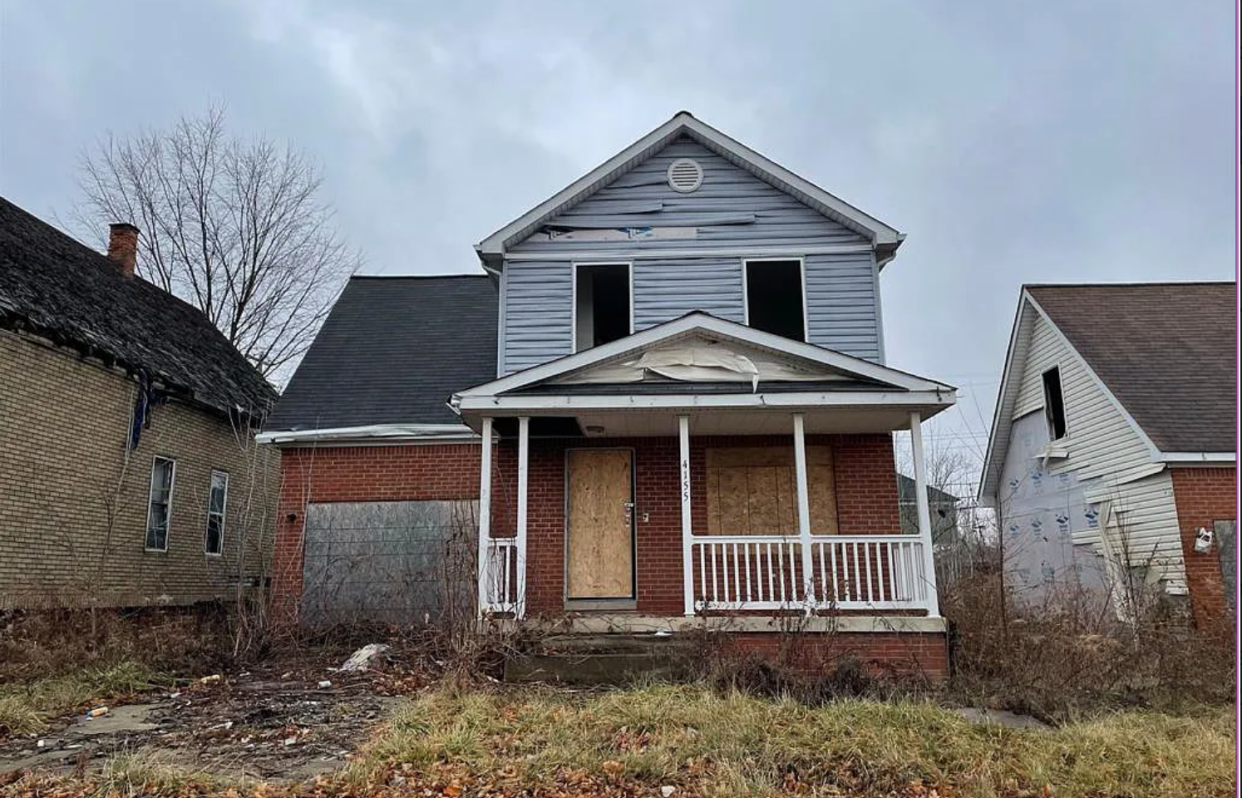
{"points": [[392, 351], [56, 288], [1167, 351]]}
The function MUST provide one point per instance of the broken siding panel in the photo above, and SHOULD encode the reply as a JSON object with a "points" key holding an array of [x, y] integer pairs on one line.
{"points": [[1107, 457], [665, 290], [842, 305], [728, 191], [538, 313]]}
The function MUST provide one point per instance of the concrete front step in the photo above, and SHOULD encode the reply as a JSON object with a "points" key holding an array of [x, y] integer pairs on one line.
{"points": [[600, 659]]}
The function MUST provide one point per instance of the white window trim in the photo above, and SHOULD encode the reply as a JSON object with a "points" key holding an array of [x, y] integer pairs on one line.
{"points": [[573, 295], [224, 513], [172, 486], [801, 259]]}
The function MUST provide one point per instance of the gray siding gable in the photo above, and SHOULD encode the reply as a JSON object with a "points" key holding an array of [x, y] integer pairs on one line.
{"points": [[640, 220], [719, 208]]}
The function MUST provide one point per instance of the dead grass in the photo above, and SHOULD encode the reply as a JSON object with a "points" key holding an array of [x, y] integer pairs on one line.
{"points": [[704, 742], [26, 707]]}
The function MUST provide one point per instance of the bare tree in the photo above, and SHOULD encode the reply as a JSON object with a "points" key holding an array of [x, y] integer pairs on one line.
{"points": [[234, 227]]}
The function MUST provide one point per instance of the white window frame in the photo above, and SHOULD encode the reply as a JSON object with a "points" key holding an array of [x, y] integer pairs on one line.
{"points": [[224, 510], [801, 259], [172, 487], [573, 295], [1043, 389]]}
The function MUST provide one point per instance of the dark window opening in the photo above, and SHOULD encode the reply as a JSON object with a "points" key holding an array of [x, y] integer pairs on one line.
{"points": [[1054, 404], [603, 305], [774, 298]]}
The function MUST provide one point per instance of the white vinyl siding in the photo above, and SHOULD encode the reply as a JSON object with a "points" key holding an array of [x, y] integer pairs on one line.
{"points": [[1110, 458]]}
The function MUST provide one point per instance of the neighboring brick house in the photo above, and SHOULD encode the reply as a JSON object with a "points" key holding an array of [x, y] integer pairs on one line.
{"points": [[665, 401], [1113, 451], [128, 471]]}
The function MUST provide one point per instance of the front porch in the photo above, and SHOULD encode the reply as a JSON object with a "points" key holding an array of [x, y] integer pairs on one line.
{"points": [[701, 469], [685, 546]]}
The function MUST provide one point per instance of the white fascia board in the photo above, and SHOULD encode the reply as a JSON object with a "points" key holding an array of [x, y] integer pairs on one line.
{"points": [[861, 222], [703, 322], [492, 248], [376, 432], [1002, 421], [509, 405], [1197, 458]]}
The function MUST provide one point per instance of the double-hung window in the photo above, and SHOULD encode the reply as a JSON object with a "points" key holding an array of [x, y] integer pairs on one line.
{"points": [[217, 502], [159, 503]]}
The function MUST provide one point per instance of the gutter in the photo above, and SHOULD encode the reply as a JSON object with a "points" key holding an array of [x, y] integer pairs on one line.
{"points": [[388, 433]]}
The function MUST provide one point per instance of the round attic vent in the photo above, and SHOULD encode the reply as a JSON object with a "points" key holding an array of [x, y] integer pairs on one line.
{"points": [[685, 175]]}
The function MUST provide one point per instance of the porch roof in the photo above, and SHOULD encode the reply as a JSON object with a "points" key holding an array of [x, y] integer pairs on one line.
{"points": [[608, 387]]}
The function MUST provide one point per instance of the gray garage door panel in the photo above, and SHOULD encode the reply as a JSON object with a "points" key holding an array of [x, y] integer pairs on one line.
{"points": [[393, 562]]}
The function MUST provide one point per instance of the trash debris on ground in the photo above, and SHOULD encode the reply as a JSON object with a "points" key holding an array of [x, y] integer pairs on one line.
{"points": [[213, 679], [325, 684], [96, 712], [667, 790], [361, 659]]}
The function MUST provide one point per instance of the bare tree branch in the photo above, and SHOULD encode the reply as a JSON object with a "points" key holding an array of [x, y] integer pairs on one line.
{"points": [[234, 227]]}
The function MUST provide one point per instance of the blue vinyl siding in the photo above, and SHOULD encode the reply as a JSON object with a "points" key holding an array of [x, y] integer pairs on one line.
{"points": [[538, 313], [665, 290], [732, 211], [728, 193]]}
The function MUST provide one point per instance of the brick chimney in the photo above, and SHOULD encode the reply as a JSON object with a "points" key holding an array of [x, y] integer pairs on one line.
{"points": [[123, 246]]}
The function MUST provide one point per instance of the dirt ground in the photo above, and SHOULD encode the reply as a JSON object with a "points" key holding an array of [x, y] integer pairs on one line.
{"points": [[277, 721]]}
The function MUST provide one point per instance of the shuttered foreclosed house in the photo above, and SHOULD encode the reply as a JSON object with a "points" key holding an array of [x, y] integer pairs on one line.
{"points": [[1113, 449], [128, 470], [665, 400]]}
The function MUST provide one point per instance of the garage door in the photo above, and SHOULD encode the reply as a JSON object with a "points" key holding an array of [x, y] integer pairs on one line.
{"points": [[391, 562]]}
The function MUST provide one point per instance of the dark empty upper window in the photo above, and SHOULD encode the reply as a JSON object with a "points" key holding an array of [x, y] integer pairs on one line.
{"points": [[1054, 404], [602, 305], [774, 297]]}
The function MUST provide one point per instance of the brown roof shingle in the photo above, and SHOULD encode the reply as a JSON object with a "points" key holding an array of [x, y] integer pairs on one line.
{"points": [[1167, 351]]}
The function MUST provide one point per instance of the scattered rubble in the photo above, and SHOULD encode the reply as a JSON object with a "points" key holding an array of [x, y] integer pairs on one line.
{"points": [[361, 659]]}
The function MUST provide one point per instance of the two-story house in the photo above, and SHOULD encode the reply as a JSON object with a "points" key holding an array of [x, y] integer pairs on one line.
{"points": [[665, 400], [129, 475], [1112, 459]]}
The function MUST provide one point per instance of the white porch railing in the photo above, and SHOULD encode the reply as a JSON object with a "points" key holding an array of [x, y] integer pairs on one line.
{"points": [[765, 572], [502, 591]]}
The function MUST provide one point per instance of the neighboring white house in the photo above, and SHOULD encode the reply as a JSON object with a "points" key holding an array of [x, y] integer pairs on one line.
{"points": [[1113, 440]]}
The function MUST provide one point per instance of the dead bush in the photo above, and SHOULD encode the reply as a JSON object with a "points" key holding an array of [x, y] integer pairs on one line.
{"points": [[1071, 653]]}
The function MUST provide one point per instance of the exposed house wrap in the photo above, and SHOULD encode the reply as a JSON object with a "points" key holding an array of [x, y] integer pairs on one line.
{"points": [[699, 360]]}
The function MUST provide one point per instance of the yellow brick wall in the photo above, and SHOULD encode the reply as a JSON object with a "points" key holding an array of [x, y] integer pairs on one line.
{"points": [[73, 500]]}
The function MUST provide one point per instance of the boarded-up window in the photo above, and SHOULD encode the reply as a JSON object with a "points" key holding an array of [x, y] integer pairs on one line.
{"points": [[753, 491], [1223, 531]]}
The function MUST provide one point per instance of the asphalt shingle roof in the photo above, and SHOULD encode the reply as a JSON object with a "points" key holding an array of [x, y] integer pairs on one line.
{"points": [[59, 289], [392, 351], [1167, 351]]}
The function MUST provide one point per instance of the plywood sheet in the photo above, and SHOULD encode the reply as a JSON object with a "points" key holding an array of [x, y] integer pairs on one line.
{"points": [[752, 491], [600, 535]]}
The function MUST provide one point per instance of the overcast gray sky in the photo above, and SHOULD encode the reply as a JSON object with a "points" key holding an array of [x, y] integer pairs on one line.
{"points": [[1023, 142]]}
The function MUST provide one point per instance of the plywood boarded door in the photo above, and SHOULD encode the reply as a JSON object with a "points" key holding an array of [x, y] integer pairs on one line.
{"points": [[600, 533]]}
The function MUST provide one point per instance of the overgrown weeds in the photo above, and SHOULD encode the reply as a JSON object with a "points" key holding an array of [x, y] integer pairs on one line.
{"points": [[702, 741], [1072, 655], [26, 707]]}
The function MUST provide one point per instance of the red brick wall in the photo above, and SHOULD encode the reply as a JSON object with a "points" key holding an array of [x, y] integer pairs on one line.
{"points": [[1204, 495], [881, 653], [864, 470], [359, 474]]}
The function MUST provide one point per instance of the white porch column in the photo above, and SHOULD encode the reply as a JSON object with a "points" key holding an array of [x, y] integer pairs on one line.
{"points": [[925, 529], [485, 513], [687, 530], [804, 507], [523, 477]]}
